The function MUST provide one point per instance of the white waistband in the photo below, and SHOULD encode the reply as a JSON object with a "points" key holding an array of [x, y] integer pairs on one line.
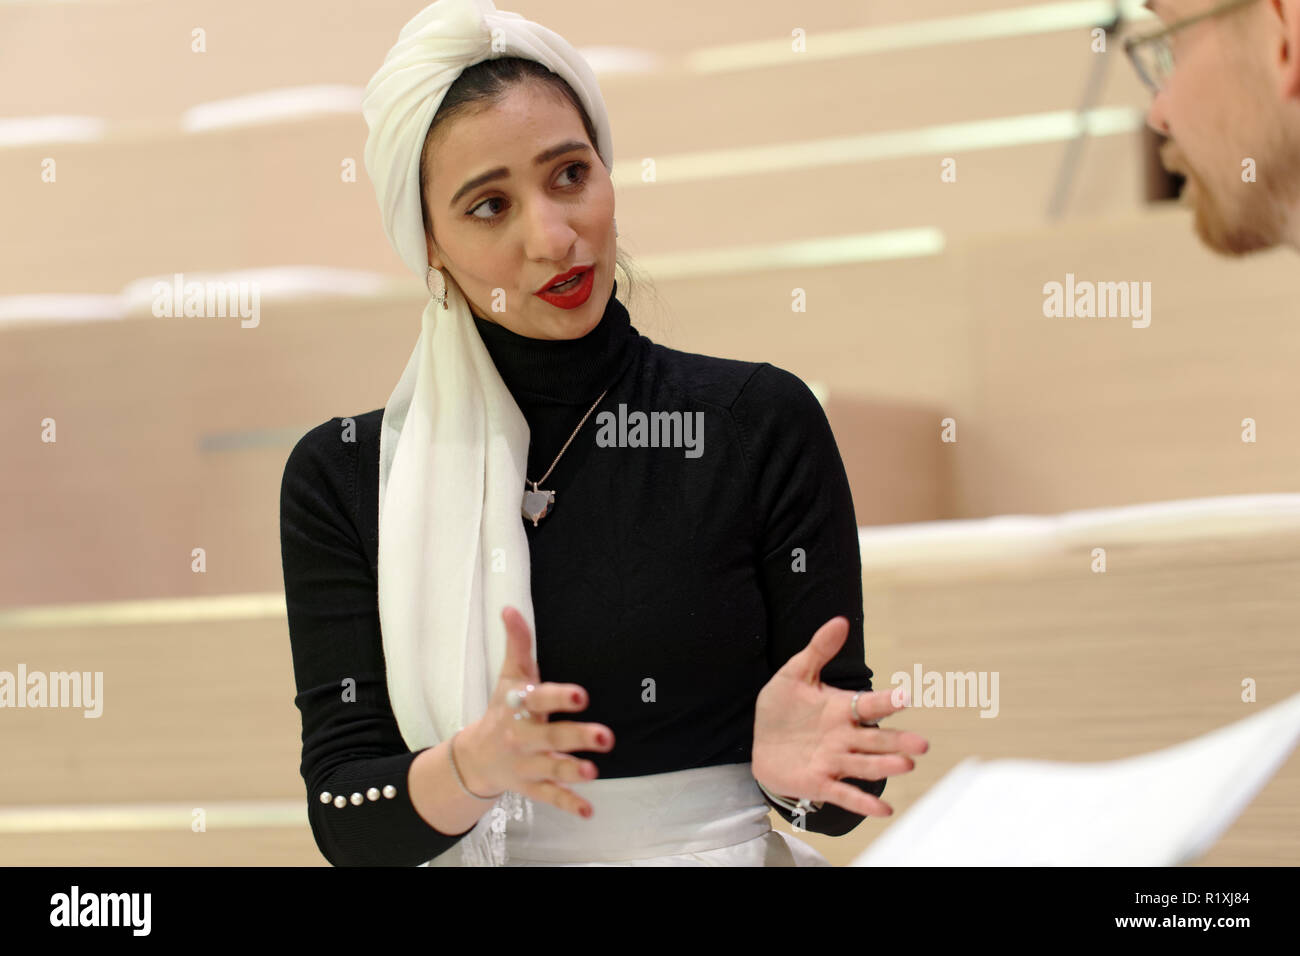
{"points": [[633, 818]]}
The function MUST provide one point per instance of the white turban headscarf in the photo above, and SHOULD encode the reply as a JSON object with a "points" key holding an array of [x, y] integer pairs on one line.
{"points": [[453, 443]]}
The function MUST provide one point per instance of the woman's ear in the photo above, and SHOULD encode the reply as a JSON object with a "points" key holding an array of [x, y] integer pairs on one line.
{"points": [[434, 260]]}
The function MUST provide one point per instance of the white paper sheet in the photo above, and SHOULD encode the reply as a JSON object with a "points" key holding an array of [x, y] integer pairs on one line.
{"points": [[1157, 809]]}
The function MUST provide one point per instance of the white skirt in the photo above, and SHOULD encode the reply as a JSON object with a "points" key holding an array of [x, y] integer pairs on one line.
{"points": [[710, 816]]}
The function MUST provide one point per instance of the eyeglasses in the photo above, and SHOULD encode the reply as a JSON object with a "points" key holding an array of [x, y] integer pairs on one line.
{"points": [[1152, 55]]}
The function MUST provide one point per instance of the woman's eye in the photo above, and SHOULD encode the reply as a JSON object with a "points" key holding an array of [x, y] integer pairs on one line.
{"points": [[473, 212], [581, 167]]}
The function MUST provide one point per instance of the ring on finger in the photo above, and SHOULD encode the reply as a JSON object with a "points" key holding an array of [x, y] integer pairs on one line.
{"points": [[859, 720], [515, 698]]}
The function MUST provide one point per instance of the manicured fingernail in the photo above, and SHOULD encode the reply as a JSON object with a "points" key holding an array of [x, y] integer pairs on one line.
{"points": [[577, 698], [602, 739], [586, 812]]}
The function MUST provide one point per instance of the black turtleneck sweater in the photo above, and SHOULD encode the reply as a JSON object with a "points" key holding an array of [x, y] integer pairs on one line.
{"points": [[701, 569]]}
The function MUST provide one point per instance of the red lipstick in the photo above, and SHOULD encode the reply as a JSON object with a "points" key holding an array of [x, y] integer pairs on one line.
{"points": [[574, 294]]}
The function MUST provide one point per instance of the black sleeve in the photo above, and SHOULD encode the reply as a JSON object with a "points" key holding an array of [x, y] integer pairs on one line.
{"points": [[350, 740], [809, 556]]}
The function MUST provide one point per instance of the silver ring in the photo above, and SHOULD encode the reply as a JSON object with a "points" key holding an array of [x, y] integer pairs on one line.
{"points": [[860, 721], [515, 698], [523, 715]]}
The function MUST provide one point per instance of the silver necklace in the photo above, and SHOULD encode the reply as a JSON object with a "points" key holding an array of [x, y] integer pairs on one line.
{"points": [[537, 502]]}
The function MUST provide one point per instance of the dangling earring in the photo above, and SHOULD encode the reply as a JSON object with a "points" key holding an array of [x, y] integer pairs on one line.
{"points": [[439, 292], [615, 228]]}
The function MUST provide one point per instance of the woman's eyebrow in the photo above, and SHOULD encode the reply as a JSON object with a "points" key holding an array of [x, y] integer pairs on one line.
{"points": [[500, 172]]}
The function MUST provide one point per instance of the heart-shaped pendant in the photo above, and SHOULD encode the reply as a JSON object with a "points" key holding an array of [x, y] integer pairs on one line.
{"points": [[537, 504]]}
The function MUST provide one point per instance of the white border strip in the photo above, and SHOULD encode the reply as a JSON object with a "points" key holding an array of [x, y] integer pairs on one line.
{"points": [[273, 106], [136, 300], [945, 139], [222, 815], [184, 610], [915, 34], [1013, 536], [34, 130], [804, 253], [60, 307]]}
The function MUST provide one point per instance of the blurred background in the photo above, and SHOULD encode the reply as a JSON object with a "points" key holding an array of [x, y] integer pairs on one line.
{"points": [[992, 450]]}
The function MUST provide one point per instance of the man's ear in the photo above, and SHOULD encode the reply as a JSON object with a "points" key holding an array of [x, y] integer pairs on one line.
{"points": [[1288, 14]]}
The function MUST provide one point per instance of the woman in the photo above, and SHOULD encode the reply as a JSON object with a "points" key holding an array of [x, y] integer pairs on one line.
{"points": [[668, 537]]}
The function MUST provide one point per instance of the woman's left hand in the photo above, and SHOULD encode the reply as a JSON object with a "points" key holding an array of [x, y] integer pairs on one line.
{"points": [[806, 740]]}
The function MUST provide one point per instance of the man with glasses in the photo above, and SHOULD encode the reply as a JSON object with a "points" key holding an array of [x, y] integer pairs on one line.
{"points": [[1226, 84]]}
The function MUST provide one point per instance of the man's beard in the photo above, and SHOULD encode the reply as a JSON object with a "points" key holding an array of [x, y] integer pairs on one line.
{"points": [[1246, 217], [1240, 227]]}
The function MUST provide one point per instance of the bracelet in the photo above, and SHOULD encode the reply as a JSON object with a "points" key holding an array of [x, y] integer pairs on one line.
{"points": [[802, 807], [451, 752]]}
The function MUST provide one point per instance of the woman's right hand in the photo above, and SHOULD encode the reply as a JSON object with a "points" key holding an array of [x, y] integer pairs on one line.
{"points": [[498, 752]]}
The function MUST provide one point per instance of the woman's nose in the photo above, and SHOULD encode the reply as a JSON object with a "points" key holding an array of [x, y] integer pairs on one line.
{"points": [[550, 234]]}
